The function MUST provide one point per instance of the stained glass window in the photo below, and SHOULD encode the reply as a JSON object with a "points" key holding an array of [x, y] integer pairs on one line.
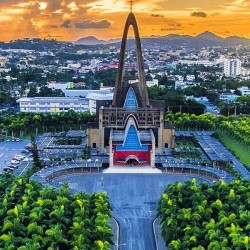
{"points": [[131, 102]]}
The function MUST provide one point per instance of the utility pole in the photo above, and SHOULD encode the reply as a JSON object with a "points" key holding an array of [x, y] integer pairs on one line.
{"points": [[235, 110], [180, 108]]}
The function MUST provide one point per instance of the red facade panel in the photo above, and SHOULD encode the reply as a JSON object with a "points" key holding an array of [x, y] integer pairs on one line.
{"points": [[143, 156]]}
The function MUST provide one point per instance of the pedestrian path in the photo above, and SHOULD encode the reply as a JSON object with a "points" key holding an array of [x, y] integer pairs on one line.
{"points": [[132, 170]]}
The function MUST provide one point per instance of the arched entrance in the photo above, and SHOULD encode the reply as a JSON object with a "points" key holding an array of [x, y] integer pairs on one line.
{"points": [[132, 161]]}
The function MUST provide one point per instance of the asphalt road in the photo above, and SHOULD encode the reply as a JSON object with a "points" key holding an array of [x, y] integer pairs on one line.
{"points": [[133, 198]]}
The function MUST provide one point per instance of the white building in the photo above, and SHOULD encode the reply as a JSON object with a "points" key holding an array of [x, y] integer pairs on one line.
{"points": [[228, 97], [52, 104], [198, 62], [61, 104], [232, 67], [244, 90], [2, 62], [154, 82], [60, 85], [84, 92], [63, 69]]}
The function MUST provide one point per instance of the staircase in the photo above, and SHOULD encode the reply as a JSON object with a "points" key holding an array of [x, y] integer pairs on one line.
{"points": [[132, 170]]}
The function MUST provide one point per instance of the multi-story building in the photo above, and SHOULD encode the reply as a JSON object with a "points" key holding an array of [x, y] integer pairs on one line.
{"points": [[61, 104], [53, 104], [232, 67]]}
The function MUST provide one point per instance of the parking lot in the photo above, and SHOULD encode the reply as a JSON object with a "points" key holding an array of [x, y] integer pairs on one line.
{"points": [[8, 149]]}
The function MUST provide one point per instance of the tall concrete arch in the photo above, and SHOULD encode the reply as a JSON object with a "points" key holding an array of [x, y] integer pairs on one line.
{"points": [[121, 87]]}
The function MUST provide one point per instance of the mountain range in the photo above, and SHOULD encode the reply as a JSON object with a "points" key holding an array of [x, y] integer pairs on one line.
{"points": [[202, 40]]}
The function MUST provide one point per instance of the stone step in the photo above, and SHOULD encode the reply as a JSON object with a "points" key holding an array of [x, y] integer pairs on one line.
{"points": [[132, 170]]}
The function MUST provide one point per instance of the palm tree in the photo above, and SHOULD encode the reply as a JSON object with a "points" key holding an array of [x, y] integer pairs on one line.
{"points": [[80, 235], [57, 216], [101, 245], [55, 238], [30, 244], [174, 245]]}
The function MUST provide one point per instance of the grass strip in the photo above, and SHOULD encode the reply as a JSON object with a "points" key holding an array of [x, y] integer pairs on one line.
{"points": [[240, 151]]}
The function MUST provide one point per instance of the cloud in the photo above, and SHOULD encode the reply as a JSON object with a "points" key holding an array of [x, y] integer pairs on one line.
{"points": [[199, 14], [94, 24], [157, 15], [171, 29], [66, 24], [172, 23]]}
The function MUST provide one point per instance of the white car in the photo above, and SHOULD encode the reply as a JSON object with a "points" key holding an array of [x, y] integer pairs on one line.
{"points": [[19, 157], [14, 161]]}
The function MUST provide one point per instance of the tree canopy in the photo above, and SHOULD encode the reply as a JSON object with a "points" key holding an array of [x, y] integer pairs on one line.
{"points": [[203, 216], [37, 218]]}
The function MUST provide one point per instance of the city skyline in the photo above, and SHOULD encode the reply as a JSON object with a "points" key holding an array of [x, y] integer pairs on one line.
{"points": [[70, 20]]}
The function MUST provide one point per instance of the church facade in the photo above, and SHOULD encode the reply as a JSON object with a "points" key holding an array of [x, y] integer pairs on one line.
{"points": [[131, 129]]}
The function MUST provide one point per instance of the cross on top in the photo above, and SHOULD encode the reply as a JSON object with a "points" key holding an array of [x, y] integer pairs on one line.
{"points": [[131, 5]]}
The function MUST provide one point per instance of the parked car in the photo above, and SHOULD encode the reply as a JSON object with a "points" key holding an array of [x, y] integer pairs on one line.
{"points": [[24, 151], [12, 166], [14, 161], [8, 169], [19, 157]]}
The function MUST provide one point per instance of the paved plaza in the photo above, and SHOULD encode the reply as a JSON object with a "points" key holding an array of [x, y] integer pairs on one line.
{"points": [[133, 199]]}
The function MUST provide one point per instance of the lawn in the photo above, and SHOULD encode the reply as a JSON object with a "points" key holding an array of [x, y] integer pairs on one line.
{"points": [[240, 151]]}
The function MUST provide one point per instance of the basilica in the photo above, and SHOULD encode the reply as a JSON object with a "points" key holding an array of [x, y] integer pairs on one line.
{"points": [[131, 128]]}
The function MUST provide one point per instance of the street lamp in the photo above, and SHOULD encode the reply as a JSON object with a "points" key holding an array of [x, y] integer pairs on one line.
{"points": [[88, 160], [96, 160]]}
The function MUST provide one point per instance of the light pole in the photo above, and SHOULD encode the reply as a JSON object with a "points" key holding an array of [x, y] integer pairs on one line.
{"points": [[167, 164], [96, 160], [102, 181], [88, 160]]}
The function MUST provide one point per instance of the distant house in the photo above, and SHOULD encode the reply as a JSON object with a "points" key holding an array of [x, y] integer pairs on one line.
{"points": [[60, 85], [228, 97], [244, 90]]}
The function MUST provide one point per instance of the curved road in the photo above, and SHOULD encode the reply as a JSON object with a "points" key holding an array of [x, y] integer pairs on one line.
{"points": [[133, 198]]}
